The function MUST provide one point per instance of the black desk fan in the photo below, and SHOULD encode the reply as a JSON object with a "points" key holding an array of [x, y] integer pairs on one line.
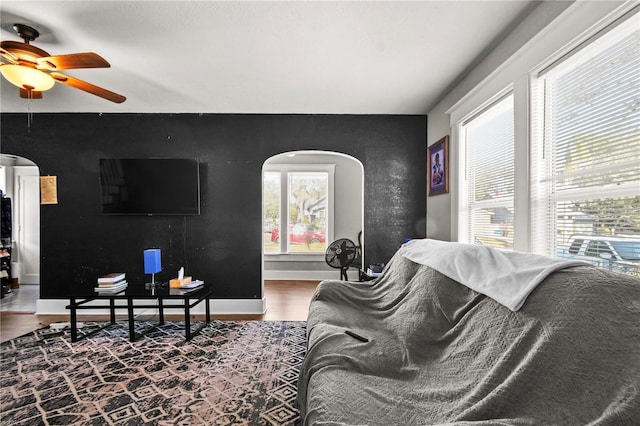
{"points": [[340, 254]]}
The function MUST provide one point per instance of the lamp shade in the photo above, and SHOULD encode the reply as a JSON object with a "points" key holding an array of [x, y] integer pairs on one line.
{"points": [[152, 262], [27, 78]]}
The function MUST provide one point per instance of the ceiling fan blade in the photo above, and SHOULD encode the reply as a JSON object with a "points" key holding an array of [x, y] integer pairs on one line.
{"points": [[88, 87], [8, 56], [72, 61], [30, 94]]}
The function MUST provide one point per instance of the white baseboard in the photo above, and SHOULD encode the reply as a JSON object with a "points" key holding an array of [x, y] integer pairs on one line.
{"points": [[217, 306], [308, 275]]}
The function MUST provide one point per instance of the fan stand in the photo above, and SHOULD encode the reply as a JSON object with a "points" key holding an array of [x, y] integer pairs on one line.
{"points": [[343, 273]]}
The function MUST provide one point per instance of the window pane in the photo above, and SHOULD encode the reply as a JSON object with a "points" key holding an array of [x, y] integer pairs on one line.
{"points": [[490, 176], [307, 212], [591, 154], [271, 212], [603, 232]]}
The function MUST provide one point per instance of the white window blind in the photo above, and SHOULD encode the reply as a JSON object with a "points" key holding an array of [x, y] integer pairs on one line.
{"points": [[486, 208], [585, 154]]}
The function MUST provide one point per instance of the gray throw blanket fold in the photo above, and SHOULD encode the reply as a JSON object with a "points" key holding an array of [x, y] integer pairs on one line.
{"points": [[430, 351]]}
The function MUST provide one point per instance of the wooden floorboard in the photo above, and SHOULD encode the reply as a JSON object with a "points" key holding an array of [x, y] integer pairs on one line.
{"points": [[285, 300]]}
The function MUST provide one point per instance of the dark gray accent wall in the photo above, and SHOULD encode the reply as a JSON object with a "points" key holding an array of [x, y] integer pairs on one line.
{"points": [[223, 244]]}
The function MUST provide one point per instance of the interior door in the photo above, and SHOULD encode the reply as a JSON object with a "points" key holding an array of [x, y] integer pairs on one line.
{"points": [[27, 222]]}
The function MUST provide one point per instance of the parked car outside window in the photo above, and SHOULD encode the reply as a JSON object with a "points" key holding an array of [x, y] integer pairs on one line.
{"points": [[617, 253], [300, 234]]}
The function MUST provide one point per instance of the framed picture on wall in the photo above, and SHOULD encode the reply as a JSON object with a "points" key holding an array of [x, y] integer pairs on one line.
{"points": [[438, 167]]}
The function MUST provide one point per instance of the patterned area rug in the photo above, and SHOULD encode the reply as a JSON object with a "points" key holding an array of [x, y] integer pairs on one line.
{"points": [[232, 373]]}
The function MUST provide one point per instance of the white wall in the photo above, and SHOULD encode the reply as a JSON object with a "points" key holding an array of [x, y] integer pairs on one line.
{"points": [[546, 30]]}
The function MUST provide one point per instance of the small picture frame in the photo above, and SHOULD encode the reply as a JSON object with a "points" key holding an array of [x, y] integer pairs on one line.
{"points": [[438, 167]]}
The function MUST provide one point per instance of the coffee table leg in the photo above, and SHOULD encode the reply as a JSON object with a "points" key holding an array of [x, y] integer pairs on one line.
{"points": [[73, 319], [207, 310], [112, 310], [161, 310], [187, 319], [132, 329]]}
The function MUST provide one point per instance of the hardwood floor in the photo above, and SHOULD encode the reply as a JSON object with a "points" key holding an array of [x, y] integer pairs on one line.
{"points": [[286, 301]]}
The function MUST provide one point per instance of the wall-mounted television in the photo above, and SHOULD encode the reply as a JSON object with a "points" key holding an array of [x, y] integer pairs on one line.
{"points": [[150, 186]]}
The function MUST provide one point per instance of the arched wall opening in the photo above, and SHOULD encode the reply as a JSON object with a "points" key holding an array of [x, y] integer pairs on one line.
{"points": [[20, 182], [345, 218]]}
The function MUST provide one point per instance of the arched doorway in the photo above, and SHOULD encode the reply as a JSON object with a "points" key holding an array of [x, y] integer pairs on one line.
{"points": [[21, 183], [338, 213]]}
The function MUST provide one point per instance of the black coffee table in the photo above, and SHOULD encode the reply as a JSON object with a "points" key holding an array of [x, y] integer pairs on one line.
{"points": [[136, 297]]}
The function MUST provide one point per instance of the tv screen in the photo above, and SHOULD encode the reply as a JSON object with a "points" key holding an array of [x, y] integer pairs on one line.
{"points": [[150, 186]]}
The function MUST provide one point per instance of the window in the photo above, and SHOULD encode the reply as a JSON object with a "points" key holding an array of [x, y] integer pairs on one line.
{"points": [[305, 193], [576, 144], [598, 248], [574, 247], [585, 162], [271, 189], [3, 180], [487, 193]]}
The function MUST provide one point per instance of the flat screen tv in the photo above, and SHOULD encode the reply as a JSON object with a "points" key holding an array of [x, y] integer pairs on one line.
{"points": [[150, 186]]}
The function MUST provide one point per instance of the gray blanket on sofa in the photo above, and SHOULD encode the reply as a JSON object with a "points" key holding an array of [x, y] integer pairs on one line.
{"points": [[439, 353]]}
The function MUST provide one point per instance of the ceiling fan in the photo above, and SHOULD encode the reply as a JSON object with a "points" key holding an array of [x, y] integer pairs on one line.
{"points": [[33, 70]]}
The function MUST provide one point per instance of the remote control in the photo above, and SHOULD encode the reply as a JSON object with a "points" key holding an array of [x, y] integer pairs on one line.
{"points": [[356, 336]]}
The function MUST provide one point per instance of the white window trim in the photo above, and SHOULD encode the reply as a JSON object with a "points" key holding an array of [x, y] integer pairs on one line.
{"points": [[284, 169]]}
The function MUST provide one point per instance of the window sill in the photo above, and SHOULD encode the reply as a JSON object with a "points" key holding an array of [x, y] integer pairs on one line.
{"points": [[294, 257]]}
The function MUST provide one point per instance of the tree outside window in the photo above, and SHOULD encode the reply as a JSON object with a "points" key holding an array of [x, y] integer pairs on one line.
{"points": [[307, 212], [304, 229]]}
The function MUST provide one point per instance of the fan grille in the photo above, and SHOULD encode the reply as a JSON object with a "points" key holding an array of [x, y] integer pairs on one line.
{"points": [[340, 253]]}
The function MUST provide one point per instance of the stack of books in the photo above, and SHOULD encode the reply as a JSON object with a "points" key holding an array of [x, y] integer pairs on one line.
{"points": [[111, 283], [192, 284]]}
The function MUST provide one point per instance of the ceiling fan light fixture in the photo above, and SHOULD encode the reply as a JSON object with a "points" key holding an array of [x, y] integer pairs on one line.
{"points": [[27, 78]]}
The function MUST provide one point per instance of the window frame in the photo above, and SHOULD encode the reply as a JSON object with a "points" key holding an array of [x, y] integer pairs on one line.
{"points": [[579, 24], [285, 169], [464, 208], [543, 219]]}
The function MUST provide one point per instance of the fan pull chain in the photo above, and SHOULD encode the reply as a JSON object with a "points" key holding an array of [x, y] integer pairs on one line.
{"points": [[29, 113]]}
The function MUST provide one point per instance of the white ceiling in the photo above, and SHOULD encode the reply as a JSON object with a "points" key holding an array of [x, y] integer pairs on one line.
{"points": [[355, 57]]}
